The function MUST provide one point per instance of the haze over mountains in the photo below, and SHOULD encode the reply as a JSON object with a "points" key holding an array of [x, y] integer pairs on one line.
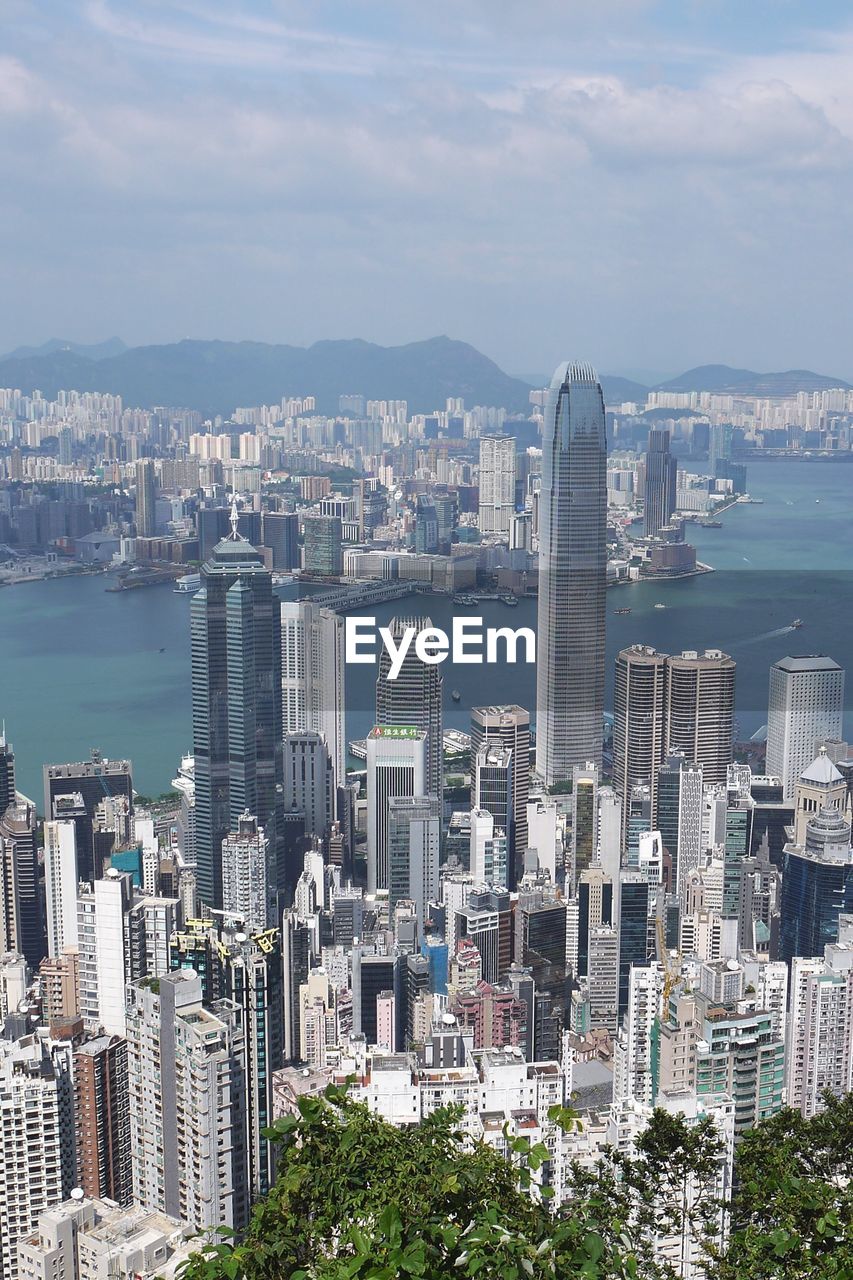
{"points": [[217, 377]]}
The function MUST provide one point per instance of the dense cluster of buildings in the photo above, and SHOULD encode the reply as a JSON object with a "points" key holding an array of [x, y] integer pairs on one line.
{"points": [[663, 929]]}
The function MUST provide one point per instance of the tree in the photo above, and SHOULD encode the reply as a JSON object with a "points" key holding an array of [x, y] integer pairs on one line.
{"points": [[359, 1199], [793, 1212]]}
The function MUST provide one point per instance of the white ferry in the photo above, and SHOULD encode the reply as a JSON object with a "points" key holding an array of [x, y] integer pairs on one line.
{"points": [[188, 584]]}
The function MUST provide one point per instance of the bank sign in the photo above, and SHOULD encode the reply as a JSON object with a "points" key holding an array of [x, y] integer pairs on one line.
{"points": [[469, 642]]}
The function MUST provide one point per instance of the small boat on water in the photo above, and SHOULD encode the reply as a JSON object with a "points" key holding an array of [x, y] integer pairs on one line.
{"points": [[510, 601], [796, 624], [456, 695], [618, 611], [467, 601], [660, 606]]}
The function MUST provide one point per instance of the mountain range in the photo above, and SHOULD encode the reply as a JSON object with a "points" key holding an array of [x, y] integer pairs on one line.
{"points": [[217, 377]]}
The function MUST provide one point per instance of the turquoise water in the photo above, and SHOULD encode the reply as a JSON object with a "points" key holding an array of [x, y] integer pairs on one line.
{"points": [[80, 667]]}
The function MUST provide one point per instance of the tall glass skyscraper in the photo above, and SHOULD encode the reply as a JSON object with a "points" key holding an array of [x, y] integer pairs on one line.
{"points": [[236, 687], [572, 575], [414, 698]]}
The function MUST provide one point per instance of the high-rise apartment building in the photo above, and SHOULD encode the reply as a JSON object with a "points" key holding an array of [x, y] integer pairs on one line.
{"points": [[101, 1119], [36, 1138], [820, 1036], [572, 575], [21, 919], [186, 1061], [414, 698], [497, 483], [661, 479], [396, 766], [312, 676], [249, 875], [805, 706], [236, 687], [60, 884]]}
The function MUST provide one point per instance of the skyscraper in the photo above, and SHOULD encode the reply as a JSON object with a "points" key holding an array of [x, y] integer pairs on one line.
{"points": [[414, 839], [396, 766], [280, 532], [146, 495], [493, 792], [700, 710], [236, 683], [497, 483], [312, 676], [661, 474], [806, 704], [323, 554], [572, 575], [414, 698], [248, 879], [509, 725], [639, 720], [102, 1124], [817, 886]]}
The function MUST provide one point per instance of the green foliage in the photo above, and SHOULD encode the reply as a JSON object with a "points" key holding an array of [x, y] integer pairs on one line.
{"points": [[793, 1215], [359, 1199]]}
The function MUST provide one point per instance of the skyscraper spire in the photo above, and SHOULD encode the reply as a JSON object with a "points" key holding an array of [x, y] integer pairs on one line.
{"points": [[235, 517]]}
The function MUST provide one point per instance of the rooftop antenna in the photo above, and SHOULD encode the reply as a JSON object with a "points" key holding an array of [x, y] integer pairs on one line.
{"points": [[235, 516]]}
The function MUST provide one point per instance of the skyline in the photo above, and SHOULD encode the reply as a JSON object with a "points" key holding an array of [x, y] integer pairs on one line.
{"points": [[650, 164]]}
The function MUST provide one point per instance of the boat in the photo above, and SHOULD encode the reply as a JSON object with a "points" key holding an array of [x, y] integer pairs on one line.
{"points": [[796, 624], [710, 524], [510, 601], [467, 601], [162, 650], [660, 606], [621, 610], [456, 695], [189, 583]]}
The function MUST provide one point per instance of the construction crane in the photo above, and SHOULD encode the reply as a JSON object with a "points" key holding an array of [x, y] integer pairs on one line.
{"points": [[671, 961]]}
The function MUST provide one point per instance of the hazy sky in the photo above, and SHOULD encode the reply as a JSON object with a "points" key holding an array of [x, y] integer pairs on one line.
{"points": [[646, 185]]}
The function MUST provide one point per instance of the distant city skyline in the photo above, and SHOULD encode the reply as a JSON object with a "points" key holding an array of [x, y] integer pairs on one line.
{"points": [[401, 174]]}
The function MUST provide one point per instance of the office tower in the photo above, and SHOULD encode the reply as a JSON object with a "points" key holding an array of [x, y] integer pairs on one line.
{"points": [[21, 921], [249, 875], [396, 766], [639, 821], [414, 842], [60, 885], [820, 786], [639, 721], [426, 527], [486, 922], [146, 498], [36, 1138], [540, 935], [719, 444], [101, 1119], [572, 576], [296, 963], [595, 908], [806, 704], [185, 1062], [493, 790], [414, 698], [236, 683], [372, 975], [633, 929], [488, 850], [817, 886], [280, 532], [509, 725], [212, 527], [323, 555], [7, 772], [739, 806], [93, 781], [661, 478], [309, 781], [820, 1038], [603, 978], [312, 676], [700, 710], [545, 835], [687, 856], [497, 483], [609, 830], [584, 818]]}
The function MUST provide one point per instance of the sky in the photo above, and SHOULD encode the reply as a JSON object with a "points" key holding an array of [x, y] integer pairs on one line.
{"points": [[646, 185]]}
